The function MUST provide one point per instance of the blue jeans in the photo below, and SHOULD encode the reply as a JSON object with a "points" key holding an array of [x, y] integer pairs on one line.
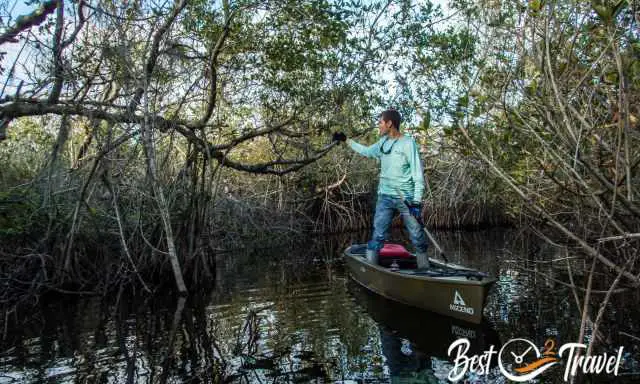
{"points": [[386, 208]]}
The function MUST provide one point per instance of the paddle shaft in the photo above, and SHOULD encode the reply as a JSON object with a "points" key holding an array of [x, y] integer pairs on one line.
{"points": [[435, 244]]}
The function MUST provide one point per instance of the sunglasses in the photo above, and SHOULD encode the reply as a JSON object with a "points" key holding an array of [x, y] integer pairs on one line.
{"points": [[390, 148]]}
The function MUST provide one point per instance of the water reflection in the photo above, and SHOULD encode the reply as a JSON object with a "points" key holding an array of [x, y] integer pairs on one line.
{"points": [[429, 332], [293, 316]]}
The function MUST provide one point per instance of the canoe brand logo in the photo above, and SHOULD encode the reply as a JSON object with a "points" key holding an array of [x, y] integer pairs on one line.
{"points": [[459, 305], [521, 360]]}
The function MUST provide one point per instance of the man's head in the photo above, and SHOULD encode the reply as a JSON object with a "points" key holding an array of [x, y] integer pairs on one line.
{"points": [[389, 119]]}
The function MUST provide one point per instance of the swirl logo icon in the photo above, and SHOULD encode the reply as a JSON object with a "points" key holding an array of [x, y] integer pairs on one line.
{"points": [[520, 360]]}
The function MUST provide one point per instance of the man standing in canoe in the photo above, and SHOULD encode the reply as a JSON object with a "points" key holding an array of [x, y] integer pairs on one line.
{"points": [[401, 185]]}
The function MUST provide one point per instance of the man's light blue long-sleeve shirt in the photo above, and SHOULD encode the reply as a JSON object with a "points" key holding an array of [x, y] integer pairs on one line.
{"points": [[400, 170]]}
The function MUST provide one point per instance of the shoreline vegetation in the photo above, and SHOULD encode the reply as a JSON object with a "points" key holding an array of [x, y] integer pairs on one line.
{"points": [[119, 240], [143, 139]]}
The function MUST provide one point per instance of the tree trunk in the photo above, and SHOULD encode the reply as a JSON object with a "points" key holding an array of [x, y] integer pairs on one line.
{"points": [[147, 139]]}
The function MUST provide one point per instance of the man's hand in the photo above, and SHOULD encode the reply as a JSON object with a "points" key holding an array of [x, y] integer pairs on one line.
{"points": [[339, 136], [415, 209]]}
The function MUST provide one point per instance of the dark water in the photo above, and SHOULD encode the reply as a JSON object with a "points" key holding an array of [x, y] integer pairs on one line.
{"points": [[293, 315]]}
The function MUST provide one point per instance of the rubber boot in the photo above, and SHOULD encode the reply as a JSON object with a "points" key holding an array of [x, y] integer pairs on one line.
{"points": [[372, 256], [422, 260]]}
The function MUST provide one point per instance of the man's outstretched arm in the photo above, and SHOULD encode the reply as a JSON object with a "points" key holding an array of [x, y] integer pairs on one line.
{"points": [[370, 151]]}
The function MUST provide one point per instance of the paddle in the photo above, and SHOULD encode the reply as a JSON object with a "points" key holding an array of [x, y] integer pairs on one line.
{"points": [[424, 228]]}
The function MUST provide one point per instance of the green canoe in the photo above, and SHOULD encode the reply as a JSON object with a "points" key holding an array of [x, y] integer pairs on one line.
{"points": [[447, 289]]}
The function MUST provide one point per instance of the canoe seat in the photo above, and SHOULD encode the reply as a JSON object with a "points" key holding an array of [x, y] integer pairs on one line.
{"points": [[388, 254], [395, 251]]}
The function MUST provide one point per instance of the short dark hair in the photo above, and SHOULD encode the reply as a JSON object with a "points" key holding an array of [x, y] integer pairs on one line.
{"points": [[393, 115]]}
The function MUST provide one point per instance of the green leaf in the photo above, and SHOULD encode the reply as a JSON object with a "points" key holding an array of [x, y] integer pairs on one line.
{"points": [[532, 88], [535, 5], [607, 11], [611, 77], [619, 7], [635, 73]]}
